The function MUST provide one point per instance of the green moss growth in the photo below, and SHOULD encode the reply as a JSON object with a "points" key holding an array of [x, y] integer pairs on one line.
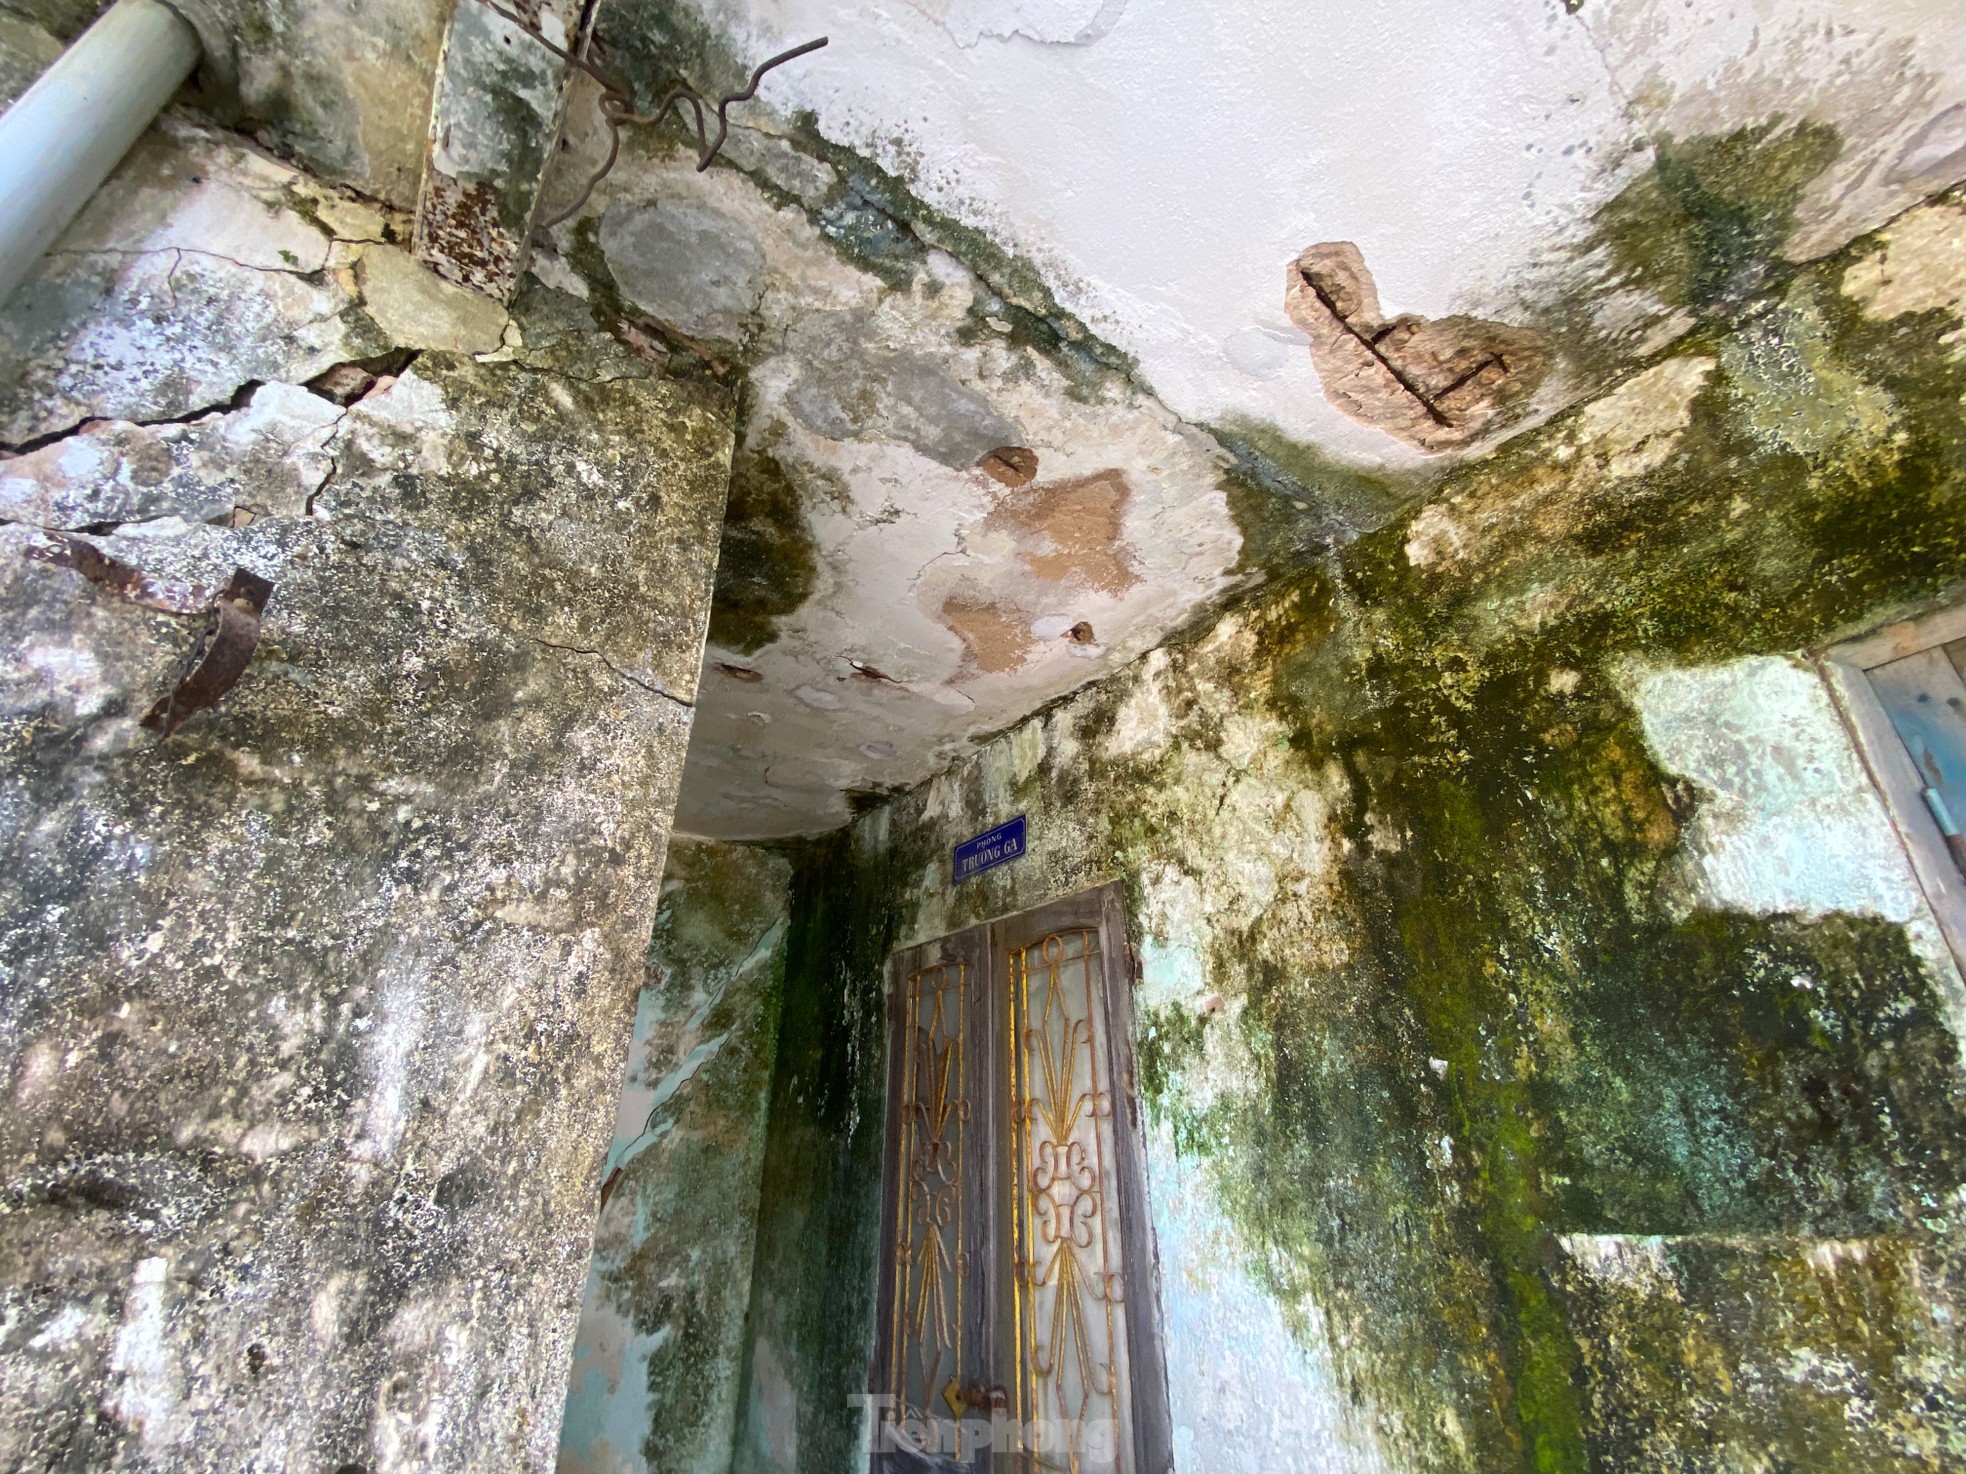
{"points": [[871, 238], [1290, 500], [1018, 282], [1499, 1024], [590, 263], [812, 1305], [1703, 229], [1170, 1040], [653, 45], [685, 1281], [1608, 1067], [872, 216]]}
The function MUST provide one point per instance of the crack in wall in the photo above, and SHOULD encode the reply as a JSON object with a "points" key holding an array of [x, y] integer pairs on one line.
{"points": [[654, 688], [239, 399], [137, 253], [1574, 10]]}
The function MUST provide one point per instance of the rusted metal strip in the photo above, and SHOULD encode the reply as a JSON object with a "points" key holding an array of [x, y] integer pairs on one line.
{"points": [[221, 656], [223, 651]]}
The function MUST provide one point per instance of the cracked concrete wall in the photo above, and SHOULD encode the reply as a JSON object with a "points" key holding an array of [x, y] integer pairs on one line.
{"points": [[314, 1013], [1550, 1059], [659, 1353]]}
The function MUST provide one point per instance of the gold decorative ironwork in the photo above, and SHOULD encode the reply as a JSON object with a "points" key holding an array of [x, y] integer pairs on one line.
{"points": [[1069, 1295], [931, 1259]]}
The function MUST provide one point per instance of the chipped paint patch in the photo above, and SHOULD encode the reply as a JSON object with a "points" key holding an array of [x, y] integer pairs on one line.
{"points": [[995, 639], [267, 459], [1435, 384], [1919, 265], [883, 588], [1070, 531]]}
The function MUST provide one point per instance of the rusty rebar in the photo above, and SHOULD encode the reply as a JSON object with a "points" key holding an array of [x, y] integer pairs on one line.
{"points": [[616, 104]]}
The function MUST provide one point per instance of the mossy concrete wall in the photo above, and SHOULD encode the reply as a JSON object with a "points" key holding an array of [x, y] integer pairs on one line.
{"points": [[660, 1346], [808, 1331], [1551, 1061], [312, 1015]]}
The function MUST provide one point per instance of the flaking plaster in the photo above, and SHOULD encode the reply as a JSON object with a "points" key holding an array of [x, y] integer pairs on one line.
{"points": [[1163, 172]]}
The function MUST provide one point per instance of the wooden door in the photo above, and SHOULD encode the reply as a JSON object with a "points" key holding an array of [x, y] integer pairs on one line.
{"points": [[1019, 1327], [936, 1344]]}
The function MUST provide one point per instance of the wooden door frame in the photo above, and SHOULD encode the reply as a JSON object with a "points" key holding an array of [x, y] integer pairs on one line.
{"points": [[1102, 908]]}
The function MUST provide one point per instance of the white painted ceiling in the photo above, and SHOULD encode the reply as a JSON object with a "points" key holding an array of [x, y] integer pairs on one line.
{"points": [[1163, 160]]}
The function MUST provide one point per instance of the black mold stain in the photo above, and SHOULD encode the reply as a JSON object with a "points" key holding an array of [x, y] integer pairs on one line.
{"points": [[767, 563], [1703, 230], [1292, 501]]}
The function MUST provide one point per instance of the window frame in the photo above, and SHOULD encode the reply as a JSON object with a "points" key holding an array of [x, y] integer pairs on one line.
{"points": [[1845, 668]]}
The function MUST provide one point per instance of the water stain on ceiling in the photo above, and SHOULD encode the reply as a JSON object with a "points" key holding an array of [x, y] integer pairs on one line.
{"points": [[1068, 540]]}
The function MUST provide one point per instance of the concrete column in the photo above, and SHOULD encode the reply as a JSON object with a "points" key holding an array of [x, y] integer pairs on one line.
{"points": [[313, 1016], [59, 141]]}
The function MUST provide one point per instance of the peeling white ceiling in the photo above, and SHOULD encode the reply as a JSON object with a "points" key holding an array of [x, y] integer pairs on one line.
{"points": [[1163, 165], [1164, 162]]}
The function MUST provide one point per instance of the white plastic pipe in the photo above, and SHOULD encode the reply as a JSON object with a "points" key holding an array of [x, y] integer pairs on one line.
{"points": [[59, 141]]}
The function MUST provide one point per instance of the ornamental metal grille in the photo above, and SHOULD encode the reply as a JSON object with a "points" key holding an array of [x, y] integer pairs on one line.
{"points": [[1018, 1325], [1067, 1283]]}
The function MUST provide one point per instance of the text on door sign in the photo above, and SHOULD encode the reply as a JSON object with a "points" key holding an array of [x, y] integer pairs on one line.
{"points": [[987, 851]]}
